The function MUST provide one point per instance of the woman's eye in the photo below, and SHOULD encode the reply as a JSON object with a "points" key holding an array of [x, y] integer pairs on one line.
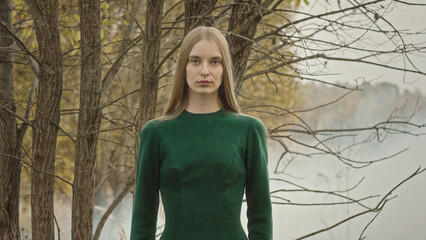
{"points": [[195, 61], [215, 62]]}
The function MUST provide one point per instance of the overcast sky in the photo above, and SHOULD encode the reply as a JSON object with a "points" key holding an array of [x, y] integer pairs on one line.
{"points": [[402, 17]]}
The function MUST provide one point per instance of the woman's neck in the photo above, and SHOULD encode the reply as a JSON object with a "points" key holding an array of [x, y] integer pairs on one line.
{"points": [[203, 103]]}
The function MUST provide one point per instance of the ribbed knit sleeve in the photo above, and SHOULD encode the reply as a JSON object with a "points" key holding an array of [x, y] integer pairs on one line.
{"points": [[146, 201], [259, 209]]}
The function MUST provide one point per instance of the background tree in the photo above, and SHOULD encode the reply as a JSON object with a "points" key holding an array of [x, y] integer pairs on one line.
{"points": [[89, 120], [150, 58], [47, 115], [198, 13], [245, 17], [10, 167]]}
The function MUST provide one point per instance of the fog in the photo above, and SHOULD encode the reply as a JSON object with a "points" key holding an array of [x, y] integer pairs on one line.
{"points": [[401, 217]]}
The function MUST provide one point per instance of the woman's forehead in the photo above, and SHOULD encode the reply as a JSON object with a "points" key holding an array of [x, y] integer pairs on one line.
{"points": [[205, 49]]}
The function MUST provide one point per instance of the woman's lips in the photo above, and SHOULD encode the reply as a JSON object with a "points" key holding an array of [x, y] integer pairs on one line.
{"points": [[204, 82]]}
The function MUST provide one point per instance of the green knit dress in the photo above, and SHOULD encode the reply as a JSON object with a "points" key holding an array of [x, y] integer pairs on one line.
{"points": [[201, 164]]}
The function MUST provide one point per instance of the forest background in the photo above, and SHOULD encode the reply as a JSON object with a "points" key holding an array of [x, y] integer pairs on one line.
{"points": [[80, 78]]}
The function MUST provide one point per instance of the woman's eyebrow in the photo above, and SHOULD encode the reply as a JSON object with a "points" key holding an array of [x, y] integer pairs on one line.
{"points": [[215, 57]]}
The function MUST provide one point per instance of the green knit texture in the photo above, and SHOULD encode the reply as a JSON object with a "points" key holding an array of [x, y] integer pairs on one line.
{"points": [[202, 164]]}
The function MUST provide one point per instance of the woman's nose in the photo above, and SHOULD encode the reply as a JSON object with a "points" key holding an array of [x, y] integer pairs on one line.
{"points": [[204, 69]]}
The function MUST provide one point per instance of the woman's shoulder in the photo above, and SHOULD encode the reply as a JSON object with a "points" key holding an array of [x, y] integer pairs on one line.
{"points": [[248, 119], [252, 124], [158, 123], [153, 124], [148, 128]]}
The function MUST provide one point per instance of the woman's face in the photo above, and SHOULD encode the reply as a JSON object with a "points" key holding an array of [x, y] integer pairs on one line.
{"points": [[204, 69]]}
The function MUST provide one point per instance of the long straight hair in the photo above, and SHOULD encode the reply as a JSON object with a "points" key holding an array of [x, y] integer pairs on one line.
{"points": [[179, 97]]}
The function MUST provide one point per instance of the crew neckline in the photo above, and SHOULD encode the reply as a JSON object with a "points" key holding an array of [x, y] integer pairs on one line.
{"points": [[203, 114]]}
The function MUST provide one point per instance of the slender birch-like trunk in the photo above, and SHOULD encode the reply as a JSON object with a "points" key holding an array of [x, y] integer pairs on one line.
{"points": [[47, 116], [89, 120], [10, 166]]}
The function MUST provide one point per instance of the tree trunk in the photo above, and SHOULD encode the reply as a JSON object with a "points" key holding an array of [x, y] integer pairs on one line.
{"points": [[47, 116], [89, 120], [198, 13], [10, 165], [150, 59], [150, 56], [244, 19]]}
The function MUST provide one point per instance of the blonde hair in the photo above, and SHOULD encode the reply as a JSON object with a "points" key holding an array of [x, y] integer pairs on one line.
{"points": [[179, 97]]}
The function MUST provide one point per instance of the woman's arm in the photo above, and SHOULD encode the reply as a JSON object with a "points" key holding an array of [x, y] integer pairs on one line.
{"points": [[259, 209], [146, 201]]}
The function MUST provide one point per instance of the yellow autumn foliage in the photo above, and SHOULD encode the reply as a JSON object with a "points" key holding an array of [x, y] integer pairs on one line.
{"points": [[115, 149]]}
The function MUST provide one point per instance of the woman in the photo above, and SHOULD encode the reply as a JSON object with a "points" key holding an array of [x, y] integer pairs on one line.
{"points": [[202, 154]]}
